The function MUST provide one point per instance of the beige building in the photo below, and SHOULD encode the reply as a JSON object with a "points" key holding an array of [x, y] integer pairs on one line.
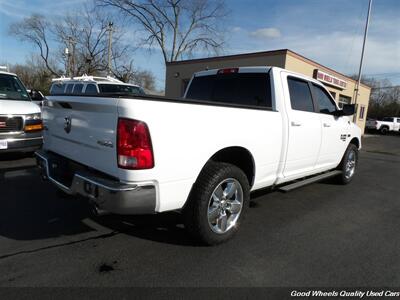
{"points": [[340, 86]]}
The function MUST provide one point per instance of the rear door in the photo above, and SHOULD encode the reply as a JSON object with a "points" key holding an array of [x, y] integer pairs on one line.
{"points": [[82, 129], [304, 125]]}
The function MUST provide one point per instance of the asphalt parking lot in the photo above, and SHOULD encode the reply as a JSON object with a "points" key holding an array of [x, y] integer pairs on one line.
{"points": [[320, 235]]}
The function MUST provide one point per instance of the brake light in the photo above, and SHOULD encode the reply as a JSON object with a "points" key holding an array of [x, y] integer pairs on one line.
{"points": [[228, 71], [134, 145]]}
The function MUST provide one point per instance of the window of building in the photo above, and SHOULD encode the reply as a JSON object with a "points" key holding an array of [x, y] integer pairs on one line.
{"points": [[325, 103], [333, 94], [344, 100], [91, 89], [300, 95], [362, 112], [241, 88]]}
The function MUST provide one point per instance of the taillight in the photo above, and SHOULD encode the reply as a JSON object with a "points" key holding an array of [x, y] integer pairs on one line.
{"points": [[134, 145], [228, 71]]}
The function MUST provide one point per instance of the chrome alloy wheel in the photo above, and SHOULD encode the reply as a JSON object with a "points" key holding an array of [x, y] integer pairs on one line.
{"points": [[350, 165], [225, 205]]}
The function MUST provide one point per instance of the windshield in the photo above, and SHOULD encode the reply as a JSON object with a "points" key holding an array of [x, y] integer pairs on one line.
{"points": [[120, 89], [11, 88]]}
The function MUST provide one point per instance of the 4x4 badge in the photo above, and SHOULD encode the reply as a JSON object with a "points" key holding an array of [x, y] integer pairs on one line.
{"points": [[67, 124]]}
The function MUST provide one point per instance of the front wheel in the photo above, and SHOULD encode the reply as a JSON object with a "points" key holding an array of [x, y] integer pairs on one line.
{"points": [[217, 203], [348, 165]]}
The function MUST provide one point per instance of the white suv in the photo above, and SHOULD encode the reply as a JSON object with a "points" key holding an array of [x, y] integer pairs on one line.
{"points": [[91, 85]]}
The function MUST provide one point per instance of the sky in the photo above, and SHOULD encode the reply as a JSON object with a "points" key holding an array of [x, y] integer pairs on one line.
{"points": [[327, 31]]}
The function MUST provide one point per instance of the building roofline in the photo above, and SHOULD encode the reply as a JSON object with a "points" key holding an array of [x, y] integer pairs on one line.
{"points": [[262, 53]]}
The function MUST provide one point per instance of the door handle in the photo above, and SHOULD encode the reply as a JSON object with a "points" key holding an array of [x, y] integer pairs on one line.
{"points": [[327, 125], [296, 124]]}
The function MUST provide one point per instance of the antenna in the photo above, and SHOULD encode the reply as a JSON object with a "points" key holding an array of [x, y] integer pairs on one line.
{"points": [[357, 87]]}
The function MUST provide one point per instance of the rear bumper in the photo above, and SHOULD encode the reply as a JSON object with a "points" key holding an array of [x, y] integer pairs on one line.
{"points": [[27, 142], [108, 195]]}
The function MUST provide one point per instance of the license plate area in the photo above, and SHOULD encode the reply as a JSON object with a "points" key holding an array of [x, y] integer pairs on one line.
{"points": [[3, 144]]}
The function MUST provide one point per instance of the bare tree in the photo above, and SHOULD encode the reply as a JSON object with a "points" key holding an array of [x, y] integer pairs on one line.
{"points": [[33, 73], [35, 29], [88, 30], [177, 27]]}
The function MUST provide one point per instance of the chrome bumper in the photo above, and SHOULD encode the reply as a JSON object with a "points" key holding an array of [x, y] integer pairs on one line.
{"points": [[109, 196]]}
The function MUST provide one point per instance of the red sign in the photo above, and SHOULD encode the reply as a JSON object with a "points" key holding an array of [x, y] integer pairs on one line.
{"points": [[3, 124], [329, 79]]}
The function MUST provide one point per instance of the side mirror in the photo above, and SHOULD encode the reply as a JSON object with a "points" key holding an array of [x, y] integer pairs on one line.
{"points": [[36, 95], [347, 110]]}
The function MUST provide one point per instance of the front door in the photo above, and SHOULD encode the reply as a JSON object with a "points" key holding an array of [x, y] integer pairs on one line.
{"points": [[334, 135]]}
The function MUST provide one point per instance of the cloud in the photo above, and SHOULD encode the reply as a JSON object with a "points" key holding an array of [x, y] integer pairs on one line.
{"points": [[266, 33]]}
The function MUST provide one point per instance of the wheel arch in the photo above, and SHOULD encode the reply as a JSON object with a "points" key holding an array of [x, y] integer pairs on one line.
{"points": [[355, 141], [238, 156]]}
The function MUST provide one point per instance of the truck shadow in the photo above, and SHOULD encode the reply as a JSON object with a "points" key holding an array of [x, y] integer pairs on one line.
{"points": [[163, 228], [31, 209]]}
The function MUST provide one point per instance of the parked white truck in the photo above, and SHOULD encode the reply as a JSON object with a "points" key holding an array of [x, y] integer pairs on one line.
{"points": [[236, 130], [387, 124]]}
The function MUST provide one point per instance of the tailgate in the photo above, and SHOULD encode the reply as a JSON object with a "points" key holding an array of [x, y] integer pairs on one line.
{"points": [[83, 129]]}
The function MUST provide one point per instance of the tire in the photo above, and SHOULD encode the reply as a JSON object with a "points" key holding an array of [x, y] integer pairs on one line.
{"points": [[217, 203], [348, 165], [384, 130]]}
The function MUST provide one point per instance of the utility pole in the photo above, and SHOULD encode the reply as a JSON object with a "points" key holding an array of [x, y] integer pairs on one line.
{"points": [[357, 88], [110, 31], [70, 52]]}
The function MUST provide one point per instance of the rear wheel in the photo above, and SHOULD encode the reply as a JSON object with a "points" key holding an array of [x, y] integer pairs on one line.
{"points": [[348, 165], [217, 203], [384, 130]]}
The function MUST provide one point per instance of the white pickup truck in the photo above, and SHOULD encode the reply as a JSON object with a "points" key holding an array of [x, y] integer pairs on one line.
{"points": [[387, 124], [236, 130]]}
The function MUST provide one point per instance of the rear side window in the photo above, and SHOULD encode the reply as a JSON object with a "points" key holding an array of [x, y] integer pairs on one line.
{"points": [[57, 88], [326, 104], [387, 119], [69, 87], [300, 95], [120, 89], [91, 89], [252, 89], [77, 88]]}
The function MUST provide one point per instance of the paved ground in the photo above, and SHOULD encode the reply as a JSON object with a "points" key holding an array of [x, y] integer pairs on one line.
{"points": [[321, 235]]}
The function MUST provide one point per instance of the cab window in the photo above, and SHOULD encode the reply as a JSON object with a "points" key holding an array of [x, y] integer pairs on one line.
{"points": [[300, 95], [325, 102]]}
